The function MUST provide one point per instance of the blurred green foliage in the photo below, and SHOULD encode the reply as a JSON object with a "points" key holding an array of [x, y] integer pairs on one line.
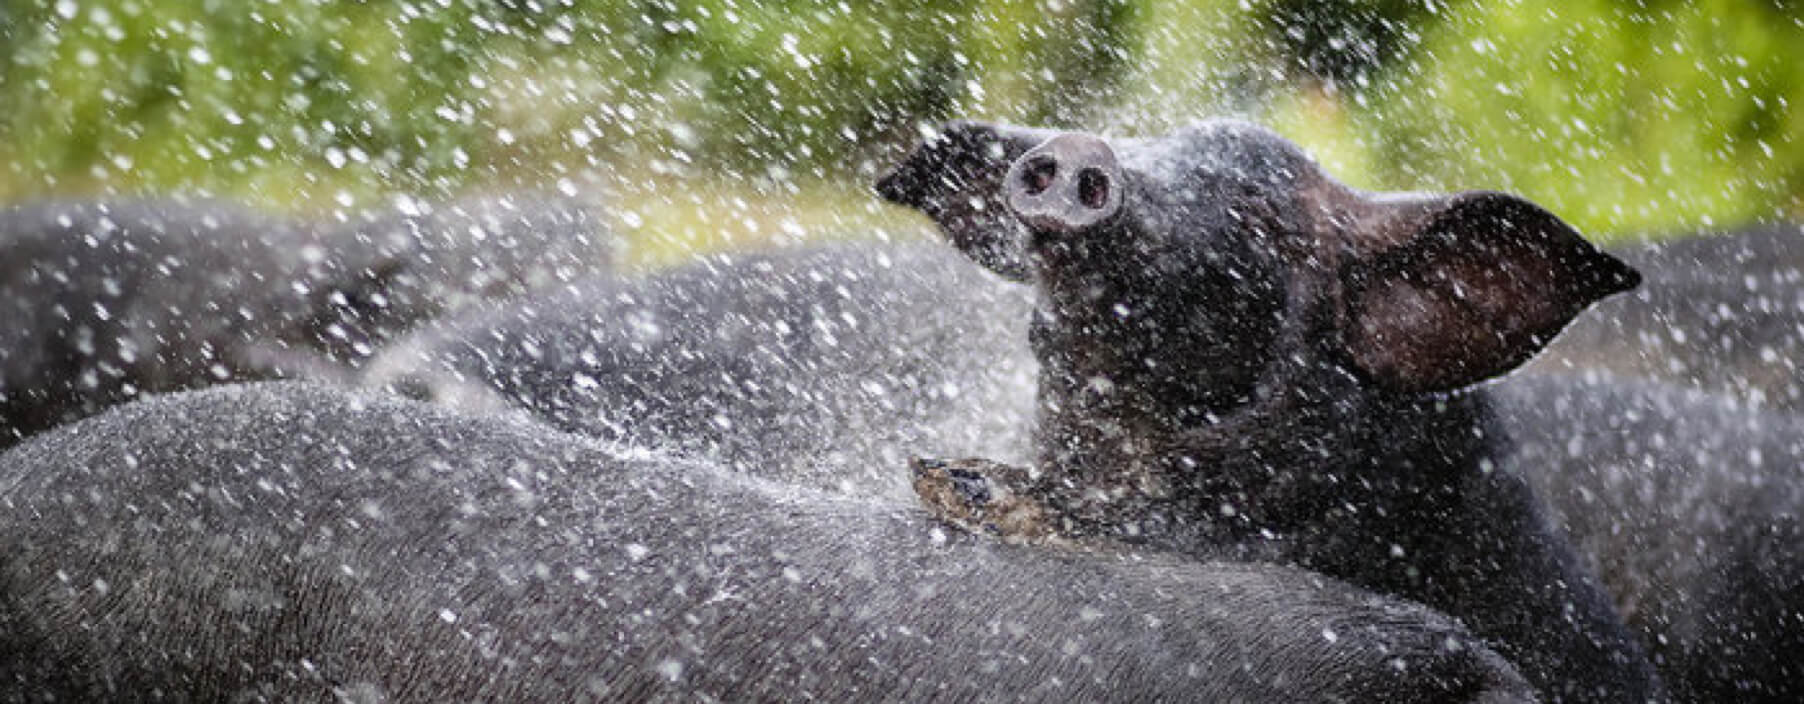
{"points": [[262, 98], [1620, 115], [1617, 115]]}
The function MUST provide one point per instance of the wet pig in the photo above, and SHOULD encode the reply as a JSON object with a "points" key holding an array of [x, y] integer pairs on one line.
{"points": [[109, 300], [1241, 357]]}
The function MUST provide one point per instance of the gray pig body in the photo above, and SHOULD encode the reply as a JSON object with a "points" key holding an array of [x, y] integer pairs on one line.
{"points": [[429, 260], [109, 300], [105, 301], [1650, 429], [283, 542], [827, 367], [1687, 505]]}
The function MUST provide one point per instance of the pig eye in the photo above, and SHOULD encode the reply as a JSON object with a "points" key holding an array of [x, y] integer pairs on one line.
{"points": [[1038, 175], [1093, 188]]}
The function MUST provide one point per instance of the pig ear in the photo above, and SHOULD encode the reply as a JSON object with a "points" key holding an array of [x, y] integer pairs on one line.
{"points": [[955, 177], [1468, 287]]}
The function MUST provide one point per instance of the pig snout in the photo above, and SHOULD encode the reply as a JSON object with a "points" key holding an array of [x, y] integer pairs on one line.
{"points": [[1066, 185]]}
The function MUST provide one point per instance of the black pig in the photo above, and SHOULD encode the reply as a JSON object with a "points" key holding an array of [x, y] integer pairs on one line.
{"points": [[282, 542], [105, 301], [1242, 357]]}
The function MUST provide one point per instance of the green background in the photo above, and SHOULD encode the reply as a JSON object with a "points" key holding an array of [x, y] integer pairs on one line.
{"points": [[734, 122]]}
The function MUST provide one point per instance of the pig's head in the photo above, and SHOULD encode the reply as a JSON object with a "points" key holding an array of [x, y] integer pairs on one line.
{"points": [[1200, 269]]}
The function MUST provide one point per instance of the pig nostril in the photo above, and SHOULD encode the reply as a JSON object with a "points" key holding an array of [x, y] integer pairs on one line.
{"points": [[1038, 175], [1093, 188]]}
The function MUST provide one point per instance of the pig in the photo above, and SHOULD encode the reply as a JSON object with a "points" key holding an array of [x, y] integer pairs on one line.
{"points": [[824, 366], [1242, 358], [109, 300], [293, 542], [1723, 313], [1687, 504], [105, 301]]}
